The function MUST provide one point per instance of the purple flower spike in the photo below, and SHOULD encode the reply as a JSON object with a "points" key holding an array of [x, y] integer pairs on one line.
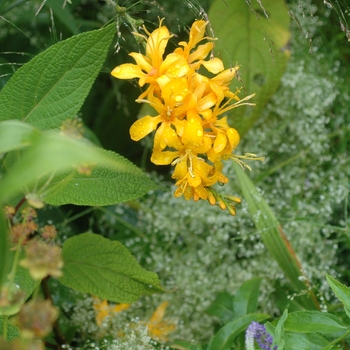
{"points": [[257, 332]]}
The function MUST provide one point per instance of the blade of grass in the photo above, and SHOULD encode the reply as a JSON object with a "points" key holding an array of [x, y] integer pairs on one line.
{"points": [[275, 240]]}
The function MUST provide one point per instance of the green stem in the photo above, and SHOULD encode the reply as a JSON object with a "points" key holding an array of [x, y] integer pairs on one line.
{"points": [[4, 327], [336, 341], [15, 263]]}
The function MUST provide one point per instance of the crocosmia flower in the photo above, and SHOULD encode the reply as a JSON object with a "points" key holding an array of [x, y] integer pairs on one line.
{"points": [[191, 130]]}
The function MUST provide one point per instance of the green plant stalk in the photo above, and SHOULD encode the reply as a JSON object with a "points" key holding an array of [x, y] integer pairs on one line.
{"points": [[11, 281], [336, 341], [15, 263], [275, 240], [4, 327]]}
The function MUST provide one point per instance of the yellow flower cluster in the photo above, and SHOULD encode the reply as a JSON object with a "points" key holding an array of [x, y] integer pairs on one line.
{"points": [[158, 329], [191, 132]]}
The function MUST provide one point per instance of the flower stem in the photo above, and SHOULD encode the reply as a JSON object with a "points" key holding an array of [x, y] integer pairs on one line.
{"points": [[338, 340], [15, 263], [4, 327]]}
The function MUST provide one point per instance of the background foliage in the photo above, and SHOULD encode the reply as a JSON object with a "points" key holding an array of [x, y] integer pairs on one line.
{"points": [[296, 61]]}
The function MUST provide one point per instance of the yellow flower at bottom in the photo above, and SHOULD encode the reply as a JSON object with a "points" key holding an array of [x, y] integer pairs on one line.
{"points": [[103, 309], [157, 328], [193, 175]]}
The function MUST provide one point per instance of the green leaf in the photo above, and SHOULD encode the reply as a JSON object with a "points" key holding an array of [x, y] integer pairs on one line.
{"points": [[15, 135], [279, 330], [296, 341], [105, 268], [270, 329], [340, 290], [310, 341], [313, 322], [258, 45], [274, 238], [104, 186], [53, 85], [4, 246], [224, 338], [13, 332], [222, 307], [316, 341], [182, 344], [246, 298], [53, 153]]}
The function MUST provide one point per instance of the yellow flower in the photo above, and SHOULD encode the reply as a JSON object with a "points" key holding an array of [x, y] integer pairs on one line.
{"points": [[196, 57], [150, 67], [103, 309], [188, 132], [226, 139], [192, 173], [172, 107], [157, 328]]}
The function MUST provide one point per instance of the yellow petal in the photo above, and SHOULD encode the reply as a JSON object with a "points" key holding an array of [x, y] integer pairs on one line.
{"points": [[214, 65], [200, 53], [189, 102], [218, 91], [207, 114], [234, 138], [162, 80], [201, 192], [175, 91], [205, 147], [156, 44], [128, 71], [197, 32], [120, 307], [143, 62], [181, 169], [179, 126], [144, 126], [175, 66], [226, 76], [193, 132], [158, 141], [194, 180], [163, 157], [171, 138], [206, 102], [220, 142]]}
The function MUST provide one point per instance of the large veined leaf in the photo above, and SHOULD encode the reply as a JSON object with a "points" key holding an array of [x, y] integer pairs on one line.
{"points": [[105, 268], [15, 135], [12, 331], [313, 322], [51, 155], [54, 84], [104, 186], [258, 44]]}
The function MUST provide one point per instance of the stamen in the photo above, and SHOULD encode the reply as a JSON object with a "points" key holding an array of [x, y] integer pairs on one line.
{"points": [[247, 156]]}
